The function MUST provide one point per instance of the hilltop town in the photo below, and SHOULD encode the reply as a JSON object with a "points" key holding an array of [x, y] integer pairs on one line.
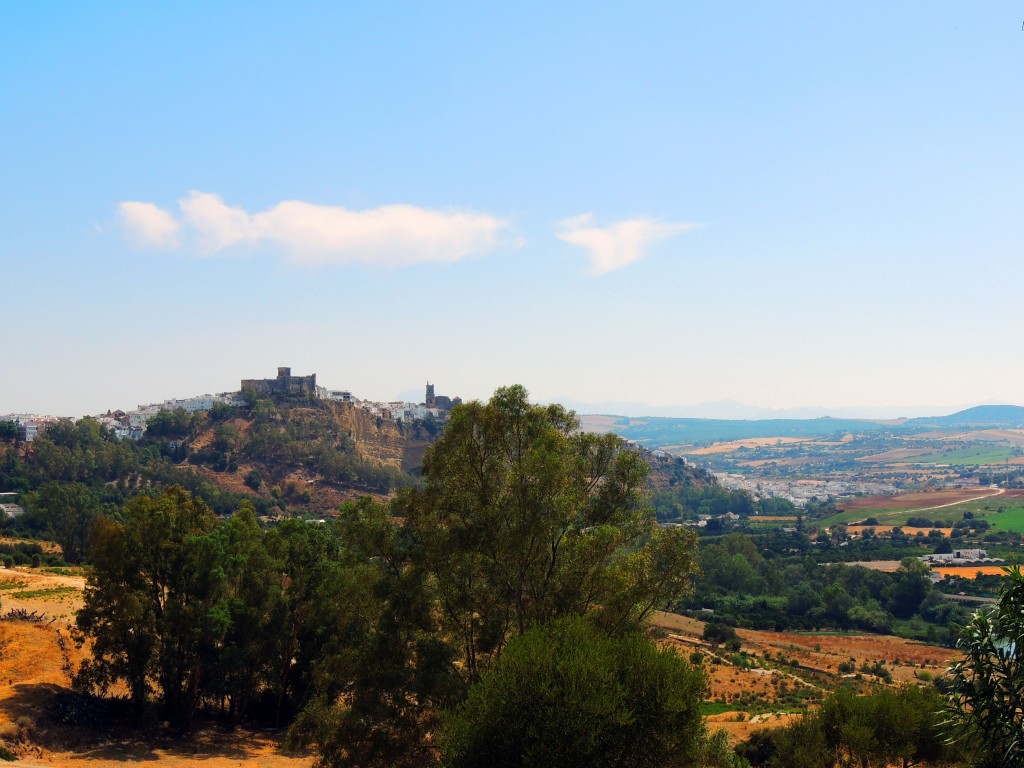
{"points": [[131, 424]]}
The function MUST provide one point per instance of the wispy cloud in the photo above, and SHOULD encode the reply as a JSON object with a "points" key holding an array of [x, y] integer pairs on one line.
{"points": [[622, 243], [148, 225], [310, 234]]}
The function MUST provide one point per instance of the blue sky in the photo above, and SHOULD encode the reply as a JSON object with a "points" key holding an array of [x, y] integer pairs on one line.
{"points": [[804, 204]]}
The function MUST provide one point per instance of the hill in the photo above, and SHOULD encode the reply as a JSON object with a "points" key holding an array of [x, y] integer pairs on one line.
{"points": [[1006, 416], [661, 431], [285, 455]]}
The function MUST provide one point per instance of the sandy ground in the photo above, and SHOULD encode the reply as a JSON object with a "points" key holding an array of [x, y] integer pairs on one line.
{"points": [[33, 667]]}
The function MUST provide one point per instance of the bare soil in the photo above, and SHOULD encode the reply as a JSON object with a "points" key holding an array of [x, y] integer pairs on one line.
{"points": [[915, 500], [34, 669]]}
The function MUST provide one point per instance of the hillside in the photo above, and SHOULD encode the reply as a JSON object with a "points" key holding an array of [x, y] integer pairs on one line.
{"points": [[304, 456], [310, 454], [1005, 416]]}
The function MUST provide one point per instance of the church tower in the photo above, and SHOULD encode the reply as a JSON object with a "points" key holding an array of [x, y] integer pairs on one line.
{"points": [[430, 401]]}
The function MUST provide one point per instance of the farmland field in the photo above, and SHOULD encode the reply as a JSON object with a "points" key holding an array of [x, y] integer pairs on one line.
{"points": [[970, 571], [973, 455], [778, 673], [916, 500], [946, 505]]}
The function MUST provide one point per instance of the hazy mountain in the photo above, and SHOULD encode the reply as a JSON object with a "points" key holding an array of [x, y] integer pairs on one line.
{"points": [[731, 409], [980, 416]]}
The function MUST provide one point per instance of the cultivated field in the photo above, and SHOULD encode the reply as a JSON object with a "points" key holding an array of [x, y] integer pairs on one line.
{"points": [[783, 673], [753, 442], [970, 571], [923, 500]]}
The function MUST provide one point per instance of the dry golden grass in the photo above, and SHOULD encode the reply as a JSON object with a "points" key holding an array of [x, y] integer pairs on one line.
{"points": [[970, 571], [33, 668], [751, 442]]}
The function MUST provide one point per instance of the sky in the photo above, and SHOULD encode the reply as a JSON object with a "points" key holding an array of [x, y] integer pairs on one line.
{"points": [[785, 205]]}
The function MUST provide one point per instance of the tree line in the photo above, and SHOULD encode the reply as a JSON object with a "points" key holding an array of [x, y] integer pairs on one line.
{"points": [[759, 582]]}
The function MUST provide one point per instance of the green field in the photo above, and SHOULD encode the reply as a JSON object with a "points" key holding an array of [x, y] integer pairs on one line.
{"points": [[1010, 519], [977, 454]]}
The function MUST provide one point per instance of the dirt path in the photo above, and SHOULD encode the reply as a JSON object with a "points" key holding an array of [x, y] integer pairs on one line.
{"points": [[996, 492]]}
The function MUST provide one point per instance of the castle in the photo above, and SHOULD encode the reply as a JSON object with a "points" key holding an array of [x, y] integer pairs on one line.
{"points": [[441, 402], [285, 385]]}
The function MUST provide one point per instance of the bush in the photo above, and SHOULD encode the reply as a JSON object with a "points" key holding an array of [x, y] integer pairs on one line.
{"points": [[717, 633], [565, 694], [254, 479]]}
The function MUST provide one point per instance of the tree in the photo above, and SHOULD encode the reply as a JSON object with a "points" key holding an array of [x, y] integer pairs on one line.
{"points": [[910, 586], [717, 633], [154, 602], [987, 686], [522, 519], [566, 694], [884, 728], [70, 510]]}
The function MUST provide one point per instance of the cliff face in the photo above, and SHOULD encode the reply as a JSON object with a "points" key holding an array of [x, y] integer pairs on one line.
{"points": [[381, 441]]}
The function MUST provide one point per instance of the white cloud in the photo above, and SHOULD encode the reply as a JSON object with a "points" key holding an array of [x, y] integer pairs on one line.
{"points": [[615, 246], [149, 225], [391, 235]]}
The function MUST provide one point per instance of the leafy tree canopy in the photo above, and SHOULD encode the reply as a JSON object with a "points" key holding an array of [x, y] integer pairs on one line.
{"points": [[566, 694]]}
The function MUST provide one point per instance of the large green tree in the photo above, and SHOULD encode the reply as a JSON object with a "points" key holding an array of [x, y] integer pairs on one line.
{"points": [[522, 518], [69, 510], [987, 686]]}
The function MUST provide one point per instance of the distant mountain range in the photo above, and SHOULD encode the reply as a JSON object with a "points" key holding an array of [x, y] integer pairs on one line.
{"points": [[658, 431], [733, 410], [1007, 416]]}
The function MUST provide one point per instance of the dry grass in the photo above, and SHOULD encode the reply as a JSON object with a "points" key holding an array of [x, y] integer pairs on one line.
{"points": [[970, 571], [858, 530], [33, 668], [750, 442]]}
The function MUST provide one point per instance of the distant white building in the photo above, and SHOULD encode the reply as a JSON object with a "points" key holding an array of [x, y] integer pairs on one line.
{"points": [[338, 395], [29, 424], [11, 510]]}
